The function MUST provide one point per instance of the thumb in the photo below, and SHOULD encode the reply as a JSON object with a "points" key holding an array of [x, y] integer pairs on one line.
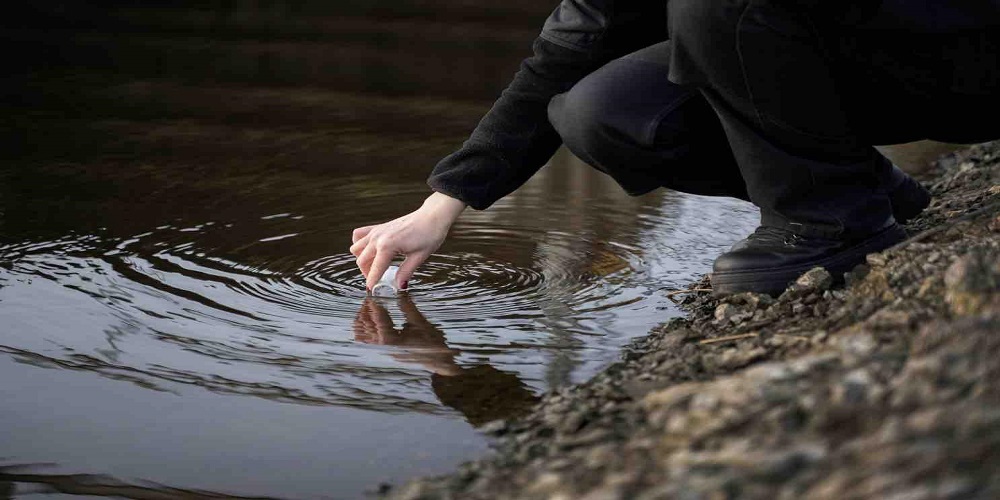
{"points": [[408, 267]]}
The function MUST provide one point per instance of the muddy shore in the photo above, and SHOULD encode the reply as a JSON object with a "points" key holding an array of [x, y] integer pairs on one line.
{"points": [[884, 387]]}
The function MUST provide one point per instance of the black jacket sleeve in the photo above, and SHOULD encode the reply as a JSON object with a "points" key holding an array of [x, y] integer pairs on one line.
{"points": [[515, 138]]}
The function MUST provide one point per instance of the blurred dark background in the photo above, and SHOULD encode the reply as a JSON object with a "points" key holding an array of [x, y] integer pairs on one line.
{"points": [[171, 99], [77, 70], [120, 59], [456, 48]]}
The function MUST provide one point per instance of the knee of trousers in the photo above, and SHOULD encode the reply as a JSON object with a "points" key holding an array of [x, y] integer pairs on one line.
{"points": [[580, 118]]}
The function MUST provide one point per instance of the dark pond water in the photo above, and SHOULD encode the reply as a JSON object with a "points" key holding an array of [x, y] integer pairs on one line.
{"points": [[178, 308]]}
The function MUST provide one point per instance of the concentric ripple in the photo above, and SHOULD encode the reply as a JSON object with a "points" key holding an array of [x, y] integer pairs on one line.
{"points": [[261, 306], [230, 307]]}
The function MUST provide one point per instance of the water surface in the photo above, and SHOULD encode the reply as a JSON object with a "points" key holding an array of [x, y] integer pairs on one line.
{"points": [[179, 314]]}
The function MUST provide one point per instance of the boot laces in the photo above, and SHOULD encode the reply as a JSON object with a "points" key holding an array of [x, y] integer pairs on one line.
{"points": [[768, 235]]}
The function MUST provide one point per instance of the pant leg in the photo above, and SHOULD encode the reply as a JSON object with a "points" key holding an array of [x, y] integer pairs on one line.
{"points": [[763, 67], [627, 120]]}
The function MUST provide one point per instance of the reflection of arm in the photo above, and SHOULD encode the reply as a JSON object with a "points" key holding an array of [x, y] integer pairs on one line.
{"points": [[515, 138], [421, 341]]}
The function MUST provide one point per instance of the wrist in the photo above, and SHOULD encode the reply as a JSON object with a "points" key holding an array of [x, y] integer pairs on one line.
{"points": [[443, 206]]}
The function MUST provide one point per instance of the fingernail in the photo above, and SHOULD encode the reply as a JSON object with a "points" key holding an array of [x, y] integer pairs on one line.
{"points": [[405, 285]]}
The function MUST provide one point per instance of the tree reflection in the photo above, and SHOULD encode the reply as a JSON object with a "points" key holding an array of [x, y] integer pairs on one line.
{"points": [[481, 393]]}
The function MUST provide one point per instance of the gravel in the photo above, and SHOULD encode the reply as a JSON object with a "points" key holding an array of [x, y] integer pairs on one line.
{"points": [[884, 387]]}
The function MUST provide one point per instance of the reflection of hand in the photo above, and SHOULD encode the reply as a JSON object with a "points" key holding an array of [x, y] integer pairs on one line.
{"points": [[420, 340], [416, 235], [481, 393]]}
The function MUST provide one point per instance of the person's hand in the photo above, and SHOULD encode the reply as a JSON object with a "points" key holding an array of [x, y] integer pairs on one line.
{"points": [[415, 235]]}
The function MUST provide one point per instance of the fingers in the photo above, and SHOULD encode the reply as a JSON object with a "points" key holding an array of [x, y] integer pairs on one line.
{"points": [[364, 261], [407, 268], [359, 245], [383, 257], [361, 232]]}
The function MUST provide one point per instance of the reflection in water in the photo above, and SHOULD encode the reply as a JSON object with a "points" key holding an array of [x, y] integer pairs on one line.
{"points": [[24, 480], [200, 301], [481, 393], [177, 302]]}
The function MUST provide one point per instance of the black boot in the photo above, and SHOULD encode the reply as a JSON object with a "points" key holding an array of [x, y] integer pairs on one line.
{"points": [[771, 258], [907, 195]]}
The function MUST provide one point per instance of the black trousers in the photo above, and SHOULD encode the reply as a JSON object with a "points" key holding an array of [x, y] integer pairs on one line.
{"points": [[758, 100]]}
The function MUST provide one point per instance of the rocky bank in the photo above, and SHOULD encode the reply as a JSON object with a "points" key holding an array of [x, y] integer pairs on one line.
{"points": [[885, 387]]}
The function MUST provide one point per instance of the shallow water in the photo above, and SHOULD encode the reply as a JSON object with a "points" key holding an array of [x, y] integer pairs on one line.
{"points": [[178, 307], [235, 350]]}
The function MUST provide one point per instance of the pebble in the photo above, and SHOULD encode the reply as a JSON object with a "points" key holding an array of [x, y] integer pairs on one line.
{"points": [[883, 388]]}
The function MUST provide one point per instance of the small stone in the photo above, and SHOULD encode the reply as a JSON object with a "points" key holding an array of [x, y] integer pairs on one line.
{"points": [[974, 272], [751, 301], [725, 312], [776, 341], [876, 259], [546, 483], [927, 287], [591, 437], [857, 274], [495, 428], [819, 310], [971, 281], [994, 224], [574, 422], [816, 279], [854, 389], [738, 358], [599, 455]]}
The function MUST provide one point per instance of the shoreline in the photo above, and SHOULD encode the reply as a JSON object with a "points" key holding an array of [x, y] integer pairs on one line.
{"points": [[877, 388]]}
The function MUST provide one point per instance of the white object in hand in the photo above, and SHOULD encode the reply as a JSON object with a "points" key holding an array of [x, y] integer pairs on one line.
{"points": [[386, 286]]}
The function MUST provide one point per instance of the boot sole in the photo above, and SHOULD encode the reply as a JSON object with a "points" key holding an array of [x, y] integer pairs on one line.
{"points": [[773, 281]]}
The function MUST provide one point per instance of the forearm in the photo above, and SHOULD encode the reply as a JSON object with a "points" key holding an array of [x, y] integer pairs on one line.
{"points": [[515, 138]]}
